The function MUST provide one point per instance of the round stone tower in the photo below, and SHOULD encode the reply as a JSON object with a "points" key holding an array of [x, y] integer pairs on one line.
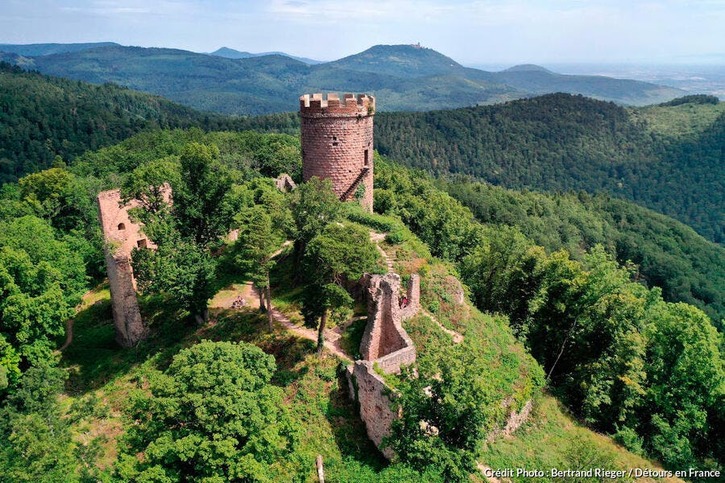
{"points": [[337, 143]]}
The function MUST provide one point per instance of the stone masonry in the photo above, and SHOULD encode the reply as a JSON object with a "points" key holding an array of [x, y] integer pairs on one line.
{"points": [[337, 143], [385, 347], [121, 236]]}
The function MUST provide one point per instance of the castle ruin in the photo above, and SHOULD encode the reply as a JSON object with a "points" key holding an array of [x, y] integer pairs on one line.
{"points": [[337, 143], [385, 347], [122, 235]]}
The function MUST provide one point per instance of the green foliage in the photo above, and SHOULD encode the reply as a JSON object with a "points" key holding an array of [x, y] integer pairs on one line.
{"points": [[198, 197], [601, 339], [212, 416], [67, 202], [561, 142], [258, 240], [598, 334], [35, 441], [314, 205], [459, 393], [45, 117], [693, 99], [41, 280], [147, 184], [668, 255], [335, 259], [395, 229], [178, 267], [448, 229]]}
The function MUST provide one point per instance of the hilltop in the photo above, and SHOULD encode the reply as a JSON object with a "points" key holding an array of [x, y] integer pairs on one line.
{"points": [[228, 53], [407, 77], [137, 411], [36, 50]]}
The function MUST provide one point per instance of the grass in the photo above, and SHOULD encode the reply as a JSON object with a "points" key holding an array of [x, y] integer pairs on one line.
{"points": [[352, 337], [105, 379], [552, 439]]}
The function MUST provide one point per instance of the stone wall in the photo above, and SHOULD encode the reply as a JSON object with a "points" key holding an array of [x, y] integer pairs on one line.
{"points": [[384, 333], [513, 422], [375, 405], [121, 236], [337, 142], [413, 295], [385, 347]]}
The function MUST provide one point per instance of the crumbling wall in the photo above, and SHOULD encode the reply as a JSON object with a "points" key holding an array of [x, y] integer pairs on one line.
{"points": [[385, 347], [375, 404], [384, 333], [121, 236], [413, 296], [285, 183], [513, 422]]}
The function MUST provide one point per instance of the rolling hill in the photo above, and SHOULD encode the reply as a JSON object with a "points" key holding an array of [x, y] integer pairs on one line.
{"points": [[228, 53], [667, 158], [404, 77], [42, 117], [35, 50]]}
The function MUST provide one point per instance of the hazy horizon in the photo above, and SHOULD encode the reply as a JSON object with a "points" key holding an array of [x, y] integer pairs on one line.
{"points": [[469, 31]]}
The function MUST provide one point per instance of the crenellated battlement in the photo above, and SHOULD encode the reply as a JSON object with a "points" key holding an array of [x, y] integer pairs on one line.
{"points": [[319, 105]]}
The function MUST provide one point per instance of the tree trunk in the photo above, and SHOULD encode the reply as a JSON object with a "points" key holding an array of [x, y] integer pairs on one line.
{"points": [[321, 332], [260, 292], [270, 318], [203, 317]]}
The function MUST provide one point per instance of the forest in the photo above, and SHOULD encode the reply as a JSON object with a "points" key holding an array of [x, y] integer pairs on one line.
{"points": [[274, 389], [603, 315], [43, 118], [667, 158]]}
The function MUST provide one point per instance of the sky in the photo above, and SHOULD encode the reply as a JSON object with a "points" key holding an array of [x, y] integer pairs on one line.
{"points": [[470, 31]]}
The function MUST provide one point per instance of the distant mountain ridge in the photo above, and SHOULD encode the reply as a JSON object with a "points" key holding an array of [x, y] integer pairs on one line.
{"points": [[403, 77], [34, 50], [228, 53]]}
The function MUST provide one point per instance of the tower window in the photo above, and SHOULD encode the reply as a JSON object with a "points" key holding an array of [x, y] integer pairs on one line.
{"points": [[367, 158], [142, 243], [121, 226]]}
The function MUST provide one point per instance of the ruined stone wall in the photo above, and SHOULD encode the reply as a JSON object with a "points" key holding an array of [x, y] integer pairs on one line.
{"points": [[375, 405], [384, 333], [121, 236], [337, 142], [413, 295], [513, 422], [385, 347]]}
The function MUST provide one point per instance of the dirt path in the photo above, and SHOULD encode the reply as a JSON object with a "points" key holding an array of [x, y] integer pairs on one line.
{"points": [[377, 238], [457, 338], [332, 338]]}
